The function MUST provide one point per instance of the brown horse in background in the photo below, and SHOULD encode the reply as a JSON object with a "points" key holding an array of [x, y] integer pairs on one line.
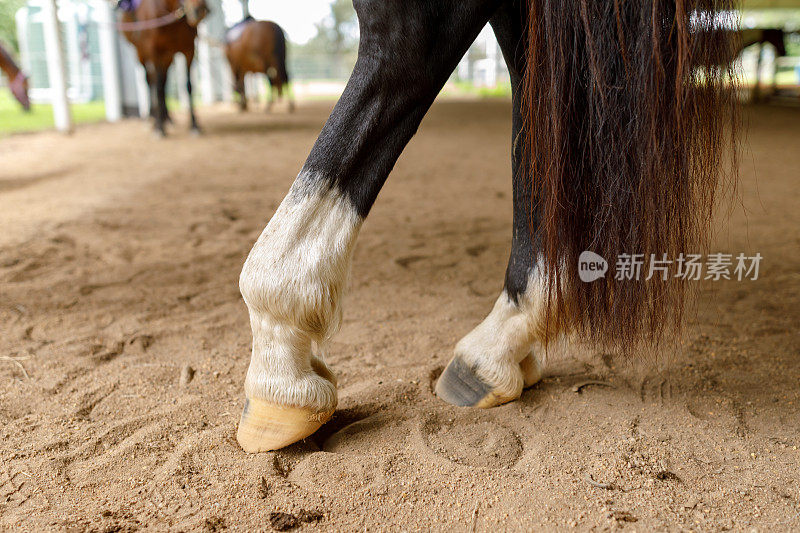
{"points": [[17, 80], [159, 29], [258, 46]]}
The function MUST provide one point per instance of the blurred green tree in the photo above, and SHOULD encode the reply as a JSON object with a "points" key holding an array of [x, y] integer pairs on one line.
{"points": [[8, 26], [336, 39]]}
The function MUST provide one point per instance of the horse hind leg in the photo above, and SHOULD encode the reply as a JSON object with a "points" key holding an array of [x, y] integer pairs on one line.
{"points": [[240, 88], [153, 79], [160, 101], [496, 360], [272, 81], [280, 86], [194, 128]]}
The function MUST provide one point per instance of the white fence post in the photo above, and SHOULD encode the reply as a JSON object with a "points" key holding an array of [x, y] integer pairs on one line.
{"points": [[142, 92], [129, 72], [179, 71], [107, 35], [213, 65], [55, 67], [21, 18], [226, 82], [204, 63]]}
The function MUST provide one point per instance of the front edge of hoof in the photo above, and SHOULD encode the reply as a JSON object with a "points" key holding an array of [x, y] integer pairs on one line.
{"points": [[265, 426], [460, 385]]}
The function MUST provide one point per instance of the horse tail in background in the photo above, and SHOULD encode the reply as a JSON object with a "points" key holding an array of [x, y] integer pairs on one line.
{"points": [[629, 108], [280, 53]]}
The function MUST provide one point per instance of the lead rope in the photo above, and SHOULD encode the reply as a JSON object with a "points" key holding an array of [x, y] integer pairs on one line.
{"points": [[149, 24]]}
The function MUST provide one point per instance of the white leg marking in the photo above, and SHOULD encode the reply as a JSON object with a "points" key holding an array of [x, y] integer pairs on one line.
{"points": [[292, 283], [499, 346]]}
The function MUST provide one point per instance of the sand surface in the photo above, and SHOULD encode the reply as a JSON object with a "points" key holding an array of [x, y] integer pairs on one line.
{"points": [[119, 261]]}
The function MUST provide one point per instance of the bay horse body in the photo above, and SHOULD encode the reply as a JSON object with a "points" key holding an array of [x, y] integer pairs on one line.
{"points": [[17, 80], [159, 29], [616, 143], [258, 46]]}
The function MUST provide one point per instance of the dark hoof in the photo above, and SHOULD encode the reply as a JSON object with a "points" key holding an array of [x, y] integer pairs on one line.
{"points": [[459, 385]]}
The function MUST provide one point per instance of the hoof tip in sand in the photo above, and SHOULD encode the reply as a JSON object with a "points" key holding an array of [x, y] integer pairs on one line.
{"points": [[265, 426], [459, 385]]}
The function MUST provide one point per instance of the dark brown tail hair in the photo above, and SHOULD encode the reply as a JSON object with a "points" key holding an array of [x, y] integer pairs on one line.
{"points": [[629, 108], [280, 53]]}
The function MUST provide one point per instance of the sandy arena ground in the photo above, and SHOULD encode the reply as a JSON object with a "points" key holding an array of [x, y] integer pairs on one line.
{"points": [[119, 261]]}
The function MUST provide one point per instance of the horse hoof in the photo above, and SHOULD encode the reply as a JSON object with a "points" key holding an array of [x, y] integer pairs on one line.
{"points": [[265, 426], [460, 385]]}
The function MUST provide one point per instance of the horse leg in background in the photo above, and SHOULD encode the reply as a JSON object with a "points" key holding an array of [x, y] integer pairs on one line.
{"points": [[279, 87], [271, 97], [294, 276], [239, 87], [276, 85], [755, 95], [152, 77], [194, 128], [495, 361], [160, 100], [290, 96], [161, 91], [773, 90]]}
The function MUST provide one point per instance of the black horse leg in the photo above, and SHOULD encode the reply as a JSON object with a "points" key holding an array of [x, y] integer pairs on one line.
{"points": [[293, 279], [194, 127], [239, 86], [160, 100], [495, 361], [755, 96]]}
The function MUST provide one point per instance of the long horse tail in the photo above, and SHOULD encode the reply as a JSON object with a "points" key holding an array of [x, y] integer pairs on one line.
{"points": [[280, 53], [629, 110]]}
